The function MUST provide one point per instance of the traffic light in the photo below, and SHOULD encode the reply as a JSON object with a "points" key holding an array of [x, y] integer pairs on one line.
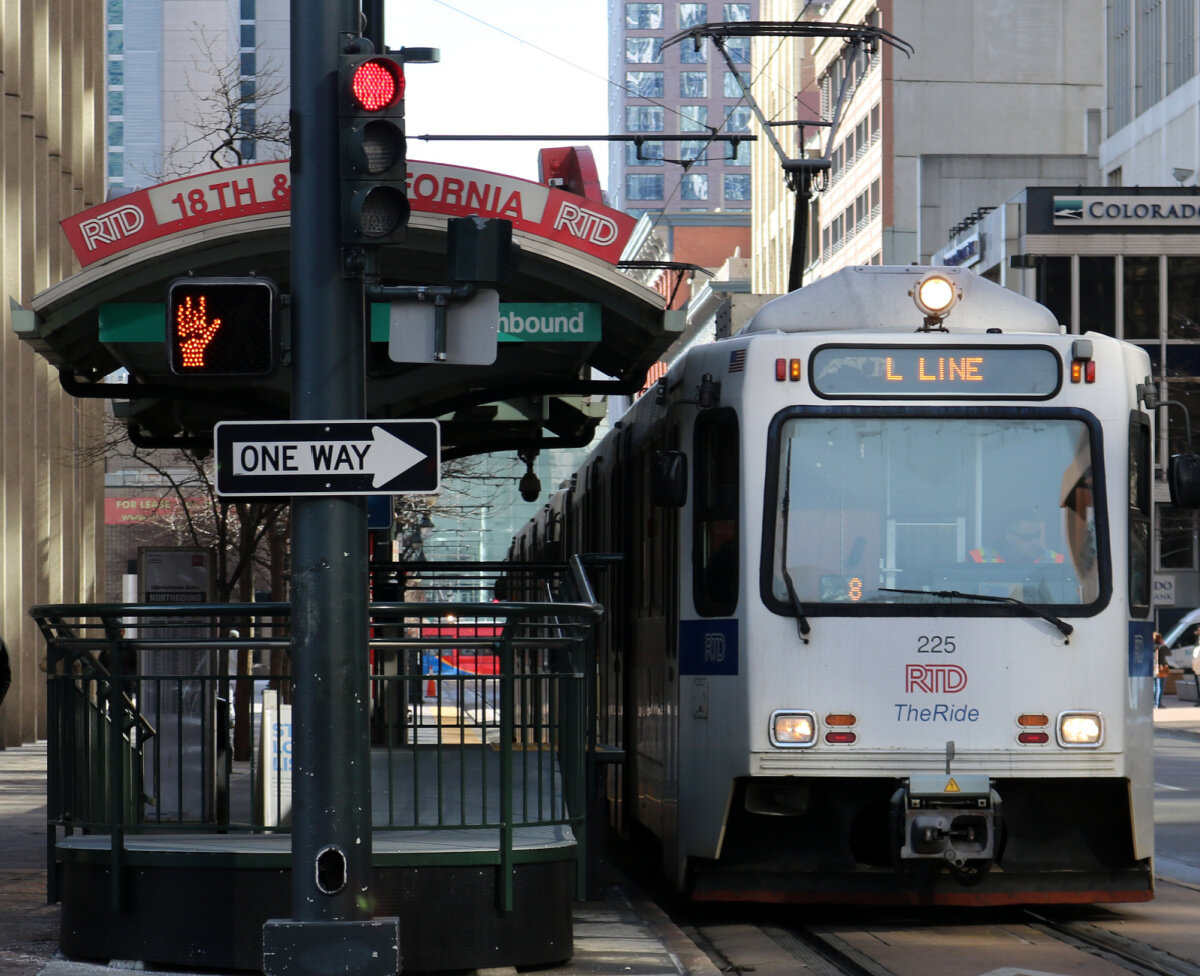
{"points": [[221, 326], [374, 166]]}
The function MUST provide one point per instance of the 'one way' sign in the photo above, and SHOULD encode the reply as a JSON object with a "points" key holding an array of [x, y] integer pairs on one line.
{"points": [[334, 457]]}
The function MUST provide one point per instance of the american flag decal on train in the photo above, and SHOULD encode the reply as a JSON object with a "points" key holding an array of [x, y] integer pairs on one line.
{"points": [[737, 361]]}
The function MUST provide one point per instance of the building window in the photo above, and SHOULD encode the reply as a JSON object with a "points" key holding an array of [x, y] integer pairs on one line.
{"points": [[643, 50], [1097, 295], [693, 118], [643, 186], [249, 64], [736, 11], [694, 186], [116, 41], [116, 103], [738, 49], [1120, 65], [695, 153], [248, 10], [693, 84], [247, 32], [644, 84], [1141, 297], [692, 14], [1181, 41], [692, 53], [1115, 178], [1150, 53], [737, 187], [1177, 535], [651, 154], [116, 72], [643, 118], [116, 135], [1183, 298], [730, 88], [737, 118], [643, 16]]}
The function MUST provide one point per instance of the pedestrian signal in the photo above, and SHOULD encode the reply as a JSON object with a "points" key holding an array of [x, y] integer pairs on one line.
{"points": [[221, 326]]}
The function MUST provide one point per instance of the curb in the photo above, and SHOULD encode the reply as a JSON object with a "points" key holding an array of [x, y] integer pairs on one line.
{"points": [[689, 958]]}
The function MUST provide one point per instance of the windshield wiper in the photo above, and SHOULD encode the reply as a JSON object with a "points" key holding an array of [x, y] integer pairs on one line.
{"points": [[802, 626], [1058, 622]]}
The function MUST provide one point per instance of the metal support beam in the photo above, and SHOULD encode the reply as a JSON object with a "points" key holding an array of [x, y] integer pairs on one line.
{"points": [[331, 930]]}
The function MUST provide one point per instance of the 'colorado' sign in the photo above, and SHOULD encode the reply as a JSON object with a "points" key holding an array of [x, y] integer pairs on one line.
{"points": [[1100, 212], [182, 205]]}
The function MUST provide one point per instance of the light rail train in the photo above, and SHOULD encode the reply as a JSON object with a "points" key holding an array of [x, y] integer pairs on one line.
{"points": [[882, 628]]}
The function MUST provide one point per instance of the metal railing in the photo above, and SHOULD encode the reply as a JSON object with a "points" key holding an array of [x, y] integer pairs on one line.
{"points": [[479, 710]]}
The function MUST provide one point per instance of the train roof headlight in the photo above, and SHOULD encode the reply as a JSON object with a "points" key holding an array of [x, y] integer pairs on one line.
{"points": [[793, 729], [935, 295], [1080, 730]]}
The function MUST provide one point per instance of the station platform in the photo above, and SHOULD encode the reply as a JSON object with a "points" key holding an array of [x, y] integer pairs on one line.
{"points": [[623, 933]]}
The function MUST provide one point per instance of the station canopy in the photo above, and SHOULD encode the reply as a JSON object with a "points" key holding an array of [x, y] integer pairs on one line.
{"points": [[544, 389]]}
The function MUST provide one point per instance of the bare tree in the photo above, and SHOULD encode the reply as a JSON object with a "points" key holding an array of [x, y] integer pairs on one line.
{"points": [[232, 110]]}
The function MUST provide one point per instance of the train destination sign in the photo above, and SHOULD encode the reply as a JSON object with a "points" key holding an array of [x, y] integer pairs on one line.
{"points": [[936, 371], [335, 457]]}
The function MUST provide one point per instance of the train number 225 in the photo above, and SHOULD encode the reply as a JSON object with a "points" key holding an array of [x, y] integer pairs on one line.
{"points": [[935, 644]]}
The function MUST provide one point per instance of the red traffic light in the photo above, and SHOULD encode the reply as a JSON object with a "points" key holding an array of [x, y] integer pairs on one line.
{"points": [[377, 84]]}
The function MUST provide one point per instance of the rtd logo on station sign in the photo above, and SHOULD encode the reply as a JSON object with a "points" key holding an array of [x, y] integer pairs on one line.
{"points": [[113, 228]]}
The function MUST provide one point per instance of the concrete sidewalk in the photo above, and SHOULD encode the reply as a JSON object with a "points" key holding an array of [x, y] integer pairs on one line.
{"points": [[621, 934], [1177, 718]]}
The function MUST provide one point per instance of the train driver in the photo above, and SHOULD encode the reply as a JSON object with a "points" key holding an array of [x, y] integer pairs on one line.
{"points": [[1021, 543]]}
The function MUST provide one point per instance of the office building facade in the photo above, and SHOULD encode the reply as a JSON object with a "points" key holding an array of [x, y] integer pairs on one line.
{"points": [[686, 91], [51, 486], [994, 98]]}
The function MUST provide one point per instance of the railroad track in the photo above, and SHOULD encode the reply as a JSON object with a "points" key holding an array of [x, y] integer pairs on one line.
{"points": [[773, 949]]}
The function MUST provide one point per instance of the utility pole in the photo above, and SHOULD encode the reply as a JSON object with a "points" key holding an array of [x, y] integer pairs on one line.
{"points": [[331, 929]]}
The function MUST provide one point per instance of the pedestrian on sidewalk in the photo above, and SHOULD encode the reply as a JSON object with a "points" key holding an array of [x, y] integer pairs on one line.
{"points": [[1160, 668]]}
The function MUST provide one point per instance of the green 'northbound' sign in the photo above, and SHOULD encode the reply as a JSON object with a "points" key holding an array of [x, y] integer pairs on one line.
{"points": [[549, 322]]}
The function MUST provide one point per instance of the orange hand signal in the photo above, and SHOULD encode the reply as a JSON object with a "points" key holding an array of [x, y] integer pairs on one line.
{"points": [[194, 331]]}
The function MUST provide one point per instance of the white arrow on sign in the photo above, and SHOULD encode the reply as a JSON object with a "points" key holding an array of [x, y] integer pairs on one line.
{"points": [[386, 457]]}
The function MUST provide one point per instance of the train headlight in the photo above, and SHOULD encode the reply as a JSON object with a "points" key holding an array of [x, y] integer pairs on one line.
{"points": [[1080, 730], [793, 729], [935, 295]]}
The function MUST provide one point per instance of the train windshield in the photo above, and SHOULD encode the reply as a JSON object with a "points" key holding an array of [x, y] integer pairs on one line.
{"points": [[981, 505]]}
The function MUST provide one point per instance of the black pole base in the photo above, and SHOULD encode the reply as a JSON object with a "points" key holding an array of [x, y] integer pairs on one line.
{"points": [[370, 948]]}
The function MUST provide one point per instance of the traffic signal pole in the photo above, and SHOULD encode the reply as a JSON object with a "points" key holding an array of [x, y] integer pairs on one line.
{"points": [[331, 929]]}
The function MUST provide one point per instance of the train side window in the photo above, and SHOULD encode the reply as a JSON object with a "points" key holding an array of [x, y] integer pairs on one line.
{"points": [[715, 529], [1139, 515]]}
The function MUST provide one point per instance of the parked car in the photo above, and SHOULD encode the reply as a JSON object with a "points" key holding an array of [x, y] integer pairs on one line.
{"points": [[1181, 641]]}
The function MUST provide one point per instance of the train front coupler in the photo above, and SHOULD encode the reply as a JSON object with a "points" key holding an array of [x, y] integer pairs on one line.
{"points": [[953, 818]]}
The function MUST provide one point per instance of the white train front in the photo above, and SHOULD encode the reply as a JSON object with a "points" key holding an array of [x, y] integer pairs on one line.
{"points": [[882, 628]]}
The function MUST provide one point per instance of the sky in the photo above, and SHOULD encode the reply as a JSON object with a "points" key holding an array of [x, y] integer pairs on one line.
{"points": [[524, 67]]}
